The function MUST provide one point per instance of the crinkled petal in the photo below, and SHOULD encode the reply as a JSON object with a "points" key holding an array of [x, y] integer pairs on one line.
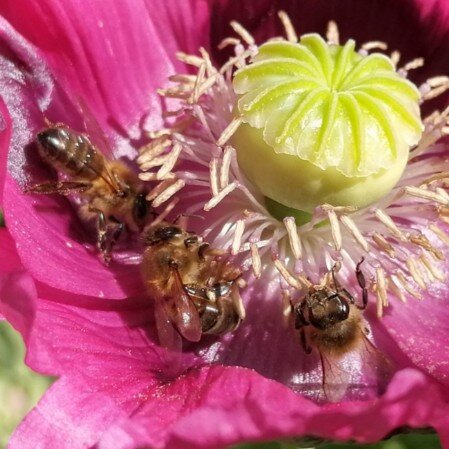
{"points": [[70, 415], [50, 227], [49, 236], [214, 407], [112, 54], [416, 327], [103, 338], [5, 138], [17, 288]]}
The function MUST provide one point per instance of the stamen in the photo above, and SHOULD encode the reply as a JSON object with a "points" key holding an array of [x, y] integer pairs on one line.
{"points": [[292, 231], [229, 131], [291, 280], [396, 287], [335, 229], [407, 287], [196, 88], [166, 192], [432, 269], [213, 167], [440, 234], [153, 176], [384, 245], [381, 291], [438, 85], [413, 64], [236, 61], [170, 161], [288, 27], [205, 86], [182, 78], [196, 61], [161, 217], [179, 92], [210, 69], [332, 34], [243, 32], [425, 194], [372, 45], [390, 224], [354, 230], [395, 57], [228, 41], [256, 261], [423, 242], [411, 264], [217, 198], [238, 233], [225, 164], [153, 149]]}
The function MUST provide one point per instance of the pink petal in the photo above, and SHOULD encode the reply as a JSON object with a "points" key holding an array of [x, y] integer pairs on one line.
{"points": [[112, 54], [220, 407], [416, 327], [101, 338], [117, 94], [69, 416], [17, 288], [46, 225], [9, 260], [5, 137], [58, 256]]}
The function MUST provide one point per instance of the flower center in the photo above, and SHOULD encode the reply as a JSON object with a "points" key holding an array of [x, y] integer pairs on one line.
{"points": [[347, 147], [323, 124]]}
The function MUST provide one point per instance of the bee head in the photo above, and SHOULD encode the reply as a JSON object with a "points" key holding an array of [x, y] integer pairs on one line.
{"points": [[327, 308], [162, 234]]}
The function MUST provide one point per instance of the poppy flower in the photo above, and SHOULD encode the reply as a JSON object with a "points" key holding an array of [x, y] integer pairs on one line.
{"points": [[93, 326]]}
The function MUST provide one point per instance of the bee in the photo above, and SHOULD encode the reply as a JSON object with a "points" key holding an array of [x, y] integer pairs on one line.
{"points": [[195, 291], [111, 191], [329, 319]]}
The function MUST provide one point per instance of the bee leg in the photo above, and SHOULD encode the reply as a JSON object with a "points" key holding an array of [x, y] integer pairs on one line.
{"points": [[117, 232], [182, 221], [105, 241], [362, 283], [334, 279], [305, 346], [102, 231], [60, 187]]}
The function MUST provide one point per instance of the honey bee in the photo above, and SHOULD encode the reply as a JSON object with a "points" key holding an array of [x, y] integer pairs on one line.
{"points": [[195, 291], [111, 190], [329, 319]]}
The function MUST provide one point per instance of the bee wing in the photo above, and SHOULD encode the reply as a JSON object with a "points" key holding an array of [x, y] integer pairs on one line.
{"points": [[168, 336], [335, 378], [101, 142], [181, 310], [363, 372]]}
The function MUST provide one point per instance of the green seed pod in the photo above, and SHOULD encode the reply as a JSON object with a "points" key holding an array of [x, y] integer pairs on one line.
{"points": [[324, 124]]}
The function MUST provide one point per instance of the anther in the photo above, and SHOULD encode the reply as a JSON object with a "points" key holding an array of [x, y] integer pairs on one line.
{"points": [[256, 261], [238, 234], [288, 27], [217, 198], [242, 32], [293, 236]]}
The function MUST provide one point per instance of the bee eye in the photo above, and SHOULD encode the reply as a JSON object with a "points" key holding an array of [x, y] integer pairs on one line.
{"points": [[140, 209]]}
